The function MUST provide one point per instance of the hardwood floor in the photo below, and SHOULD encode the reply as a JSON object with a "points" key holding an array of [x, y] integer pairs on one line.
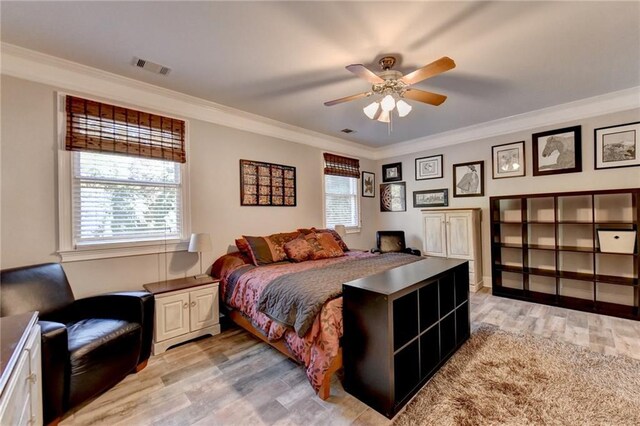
{"points": [[234, 378]]}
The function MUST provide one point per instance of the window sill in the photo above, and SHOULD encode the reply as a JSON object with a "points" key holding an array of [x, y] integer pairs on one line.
{"points": [[354, 230], [107, 252]]}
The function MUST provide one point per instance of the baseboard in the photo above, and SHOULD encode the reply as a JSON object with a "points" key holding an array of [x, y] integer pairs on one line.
{"points": [[476, 287]]}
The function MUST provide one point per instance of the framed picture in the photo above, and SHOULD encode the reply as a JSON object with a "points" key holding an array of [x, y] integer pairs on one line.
{"points": [[267, 184], [391, 172], [468, 179], [557, 151], [429, 167], [431, 198], [508, 160], [368, 184], [393, 197], [617, 146]]}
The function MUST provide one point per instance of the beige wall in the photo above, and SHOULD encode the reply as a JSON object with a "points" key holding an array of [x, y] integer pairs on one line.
{"points": [[590, 179], [29, 211]]}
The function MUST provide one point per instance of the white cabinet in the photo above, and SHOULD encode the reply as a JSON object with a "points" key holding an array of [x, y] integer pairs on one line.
{"points": [[185, 309], [21, 390], [455, 233], [172, 316]]}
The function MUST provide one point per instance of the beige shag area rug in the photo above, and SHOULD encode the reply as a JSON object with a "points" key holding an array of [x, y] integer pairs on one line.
{"points": [[500, 378]]}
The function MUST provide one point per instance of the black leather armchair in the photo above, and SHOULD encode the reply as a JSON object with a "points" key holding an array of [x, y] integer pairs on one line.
{"points": [[88, 345], [392, 241]]}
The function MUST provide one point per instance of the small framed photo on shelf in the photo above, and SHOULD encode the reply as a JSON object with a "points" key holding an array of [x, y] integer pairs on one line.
{"points": [[368, 184], [429, 167], [617, 146], [508, 160], [431, 198], [557, 151], [468, 179], [393, 197], [392, 172]]}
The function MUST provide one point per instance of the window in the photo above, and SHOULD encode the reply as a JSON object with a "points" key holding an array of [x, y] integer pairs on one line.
{"points": [[341, 200], [123, 188], [117, 198]]}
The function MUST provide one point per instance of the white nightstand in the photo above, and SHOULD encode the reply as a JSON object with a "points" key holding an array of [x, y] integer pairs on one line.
{"points": [[186, 308]]}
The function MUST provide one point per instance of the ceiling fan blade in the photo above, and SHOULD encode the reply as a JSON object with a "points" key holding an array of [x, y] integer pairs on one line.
{"points": [[364, 73], [434, 68], [426, 97], [347, 99]]}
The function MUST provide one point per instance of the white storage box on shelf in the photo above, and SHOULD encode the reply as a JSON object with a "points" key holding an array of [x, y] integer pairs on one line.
{"points": [[617, 240]]}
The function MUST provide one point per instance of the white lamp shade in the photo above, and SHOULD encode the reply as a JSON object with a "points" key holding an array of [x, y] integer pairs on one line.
{"points": [[341, 230], [388, 103], [371, 110], [384, 117], [403, 108], [200, 242]]}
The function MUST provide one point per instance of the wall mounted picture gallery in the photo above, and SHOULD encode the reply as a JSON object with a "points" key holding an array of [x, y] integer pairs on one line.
{"points": [[554, 152]]}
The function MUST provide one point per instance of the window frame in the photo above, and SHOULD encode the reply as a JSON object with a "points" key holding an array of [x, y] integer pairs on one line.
{"points": [[67, 249], [349, 229]]}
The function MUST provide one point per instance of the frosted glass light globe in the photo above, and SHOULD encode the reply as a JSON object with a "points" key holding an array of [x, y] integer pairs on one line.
{"points": [[371, 110], [403, 108], [384, 117], [388, 103]]}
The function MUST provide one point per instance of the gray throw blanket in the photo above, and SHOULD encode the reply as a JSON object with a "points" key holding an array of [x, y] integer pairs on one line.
{"points": [[295, 299]]}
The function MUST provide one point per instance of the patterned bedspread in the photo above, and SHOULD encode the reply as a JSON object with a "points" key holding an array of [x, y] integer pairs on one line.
{"points": [[241, 289], [296, 299]]}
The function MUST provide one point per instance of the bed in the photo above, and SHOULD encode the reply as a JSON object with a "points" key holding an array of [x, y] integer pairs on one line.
{"points": [[314, 342]]}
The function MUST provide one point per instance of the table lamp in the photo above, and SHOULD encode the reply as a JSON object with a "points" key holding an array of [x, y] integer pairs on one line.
{"points": [[199, 243], [341, 230]]}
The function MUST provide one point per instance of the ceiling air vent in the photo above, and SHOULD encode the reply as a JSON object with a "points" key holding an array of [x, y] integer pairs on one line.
{"points": [[151, 66], [347, 131]]}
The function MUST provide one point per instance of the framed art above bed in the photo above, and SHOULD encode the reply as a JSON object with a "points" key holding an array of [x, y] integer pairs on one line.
{"points": [[267, 184]]}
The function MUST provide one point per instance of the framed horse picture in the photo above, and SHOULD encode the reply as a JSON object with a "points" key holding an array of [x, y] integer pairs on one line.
{"points": [[557, 151]]}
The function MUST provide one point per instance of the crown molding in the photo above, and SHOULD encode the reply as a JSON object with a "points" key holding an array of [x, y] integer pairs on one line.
{"points": [[73, 77], [608, 103]]}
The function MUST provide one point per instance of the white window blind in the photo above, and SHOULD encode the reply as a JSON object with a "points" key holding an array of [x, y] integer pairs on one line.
{"points": [[118, 198], [341, 201]]}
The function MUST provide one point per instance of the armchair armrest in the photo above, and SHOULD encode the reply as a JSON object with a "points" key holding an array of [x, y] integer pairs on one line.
{"points": [[55, 355], [134, 306], [131, 306]]}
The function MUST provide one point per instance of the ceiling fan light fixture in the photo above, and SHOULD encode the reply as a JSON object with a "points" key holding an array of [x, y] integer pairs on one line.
{"points": [[403, 108], [388, 103], [371, 110], [384, 117]]}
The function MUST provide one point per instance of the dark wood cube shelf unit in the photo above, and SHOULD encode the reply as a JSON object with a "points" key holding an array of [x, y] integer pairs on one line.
{"points": [[545, 249], [400, 326]]}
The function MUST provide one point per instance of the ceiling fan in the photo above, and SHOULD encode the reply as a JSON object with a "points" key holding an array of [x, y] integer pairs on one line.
{"points": [[393, 87]]}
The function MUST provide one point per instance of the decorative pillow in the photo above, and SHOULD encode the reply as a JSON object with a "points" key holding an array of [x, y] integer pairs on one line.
{"points": [[227, 263], [298, 250], [269, 249], [333, 233], [324, 246], [243, 247]]}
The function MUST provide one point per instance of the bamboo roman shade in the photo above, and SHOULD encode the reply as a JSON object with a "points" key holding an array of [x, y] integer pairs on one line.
{"points": [[337, 165], [99, 127]]}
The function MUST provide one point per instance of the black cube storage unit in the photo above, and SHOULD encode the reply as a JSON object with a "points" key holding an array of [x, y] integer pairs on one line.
{"points": [[400, 326]]}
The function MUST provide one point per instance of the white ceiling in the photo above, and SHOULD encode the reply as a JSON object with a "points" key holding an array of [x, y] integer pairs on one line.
{"points": [[282, 60]]}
